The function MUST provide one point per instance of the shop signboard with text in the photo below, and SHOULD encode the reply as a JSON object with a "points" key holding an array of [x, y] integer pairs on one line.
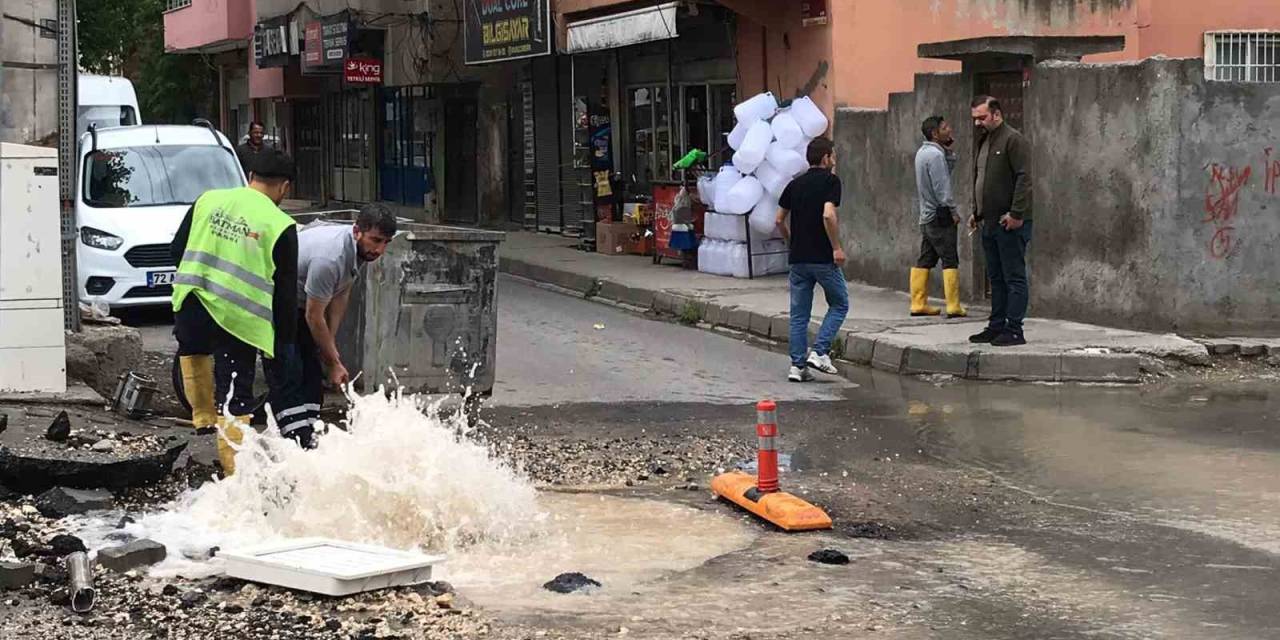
{"points": [[497, 30], [327, 42], [362, 70]]}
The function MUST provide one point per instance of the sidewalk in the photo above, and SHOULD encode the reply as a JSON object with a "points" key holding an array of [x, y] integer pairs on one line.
{"points": [[878, 332]]}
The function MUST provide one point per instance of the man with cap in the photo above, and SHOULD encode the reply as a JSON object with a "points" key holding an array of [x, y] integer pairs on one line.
{"points": [[235, 295]]}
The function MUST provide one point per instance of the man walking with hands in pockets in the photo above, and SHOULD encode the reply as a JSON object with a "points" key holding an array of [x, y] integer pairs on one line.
{"points": [[807, 219]]}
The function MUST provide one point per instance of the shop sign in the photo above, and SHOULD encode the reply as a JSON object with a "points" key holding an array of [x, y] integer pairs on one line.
{"points": [[326, 43], [274, 41], [498, 30], [362, 70], [813, 12]]}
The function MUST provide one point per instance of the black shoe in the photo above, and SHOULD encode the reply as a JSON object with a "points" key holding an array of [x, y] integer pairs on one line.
{"points": [[986, 336], [1009, 339]]}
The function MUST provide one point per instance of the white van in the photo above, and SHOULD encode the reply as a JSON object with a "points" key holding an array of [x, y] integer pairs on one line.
{"points": [[136, 184], [106, 101]]}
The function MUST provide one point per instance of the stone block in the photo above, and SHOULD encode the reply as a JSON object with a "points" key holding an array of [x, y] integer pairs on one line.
{"points": [[60, 502], [739, 319], [116, 349], [859, 347], [1101, 367], [758, 324], [888, 356], [627, 295], [1009, 364], [15, 575], [513, 267], [1252, 349], [664, 302], [714, 314], [139, 553], [780, 328], [924, 360]]}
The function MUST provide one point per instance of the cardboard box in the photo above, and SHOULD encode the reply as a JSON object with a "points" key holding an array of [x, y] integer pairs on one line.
{"points": [[612, 238]]}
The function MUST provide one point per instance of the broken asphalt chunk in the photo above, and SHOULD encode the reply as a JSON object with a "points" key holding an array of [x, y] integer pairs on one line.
{"points": [[60, 429], [60, 502], [829, 556], [570, 582], [15, 575], [139, 553]]}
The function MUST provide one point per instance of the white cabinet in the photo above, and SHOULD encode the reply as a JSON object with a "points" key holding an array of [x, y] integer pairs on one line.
{"points": [[32, 349]]}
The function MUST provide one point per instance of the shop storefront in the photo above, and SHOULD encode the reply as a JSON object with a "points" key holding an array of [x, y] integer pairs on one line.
{"points": [[646, 87]]}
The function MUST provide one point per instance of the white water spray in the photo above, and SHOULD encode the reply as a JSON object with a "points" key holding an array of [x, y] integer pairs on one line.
{"points": [[402, 474]]}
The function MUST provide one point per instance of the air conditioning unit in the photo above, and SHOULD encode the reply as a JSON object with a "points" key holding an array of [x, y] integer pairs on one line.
{"points": [[32, 348]]}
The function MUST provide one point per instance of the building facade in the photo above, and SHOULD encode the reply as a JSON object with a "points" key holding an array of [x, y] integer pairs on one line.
{"points": [[28, 71]]}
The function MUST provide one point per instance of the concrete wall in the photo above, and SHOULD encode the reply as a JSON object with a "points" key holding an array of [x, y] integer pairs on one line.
{"points": [[28, 80], [1154, 205]]}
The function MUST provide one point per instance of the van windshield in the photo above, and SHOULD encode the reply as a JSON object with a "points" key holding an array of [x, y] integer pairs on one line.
{"points": [[105, 115], [157, 176]]}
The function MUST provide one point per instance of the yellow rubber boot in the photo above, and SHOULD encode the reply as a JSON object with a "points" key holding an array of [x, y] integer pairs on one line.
{"points": [[920, 293], [951, 284], [197, 386], [230, 432]]}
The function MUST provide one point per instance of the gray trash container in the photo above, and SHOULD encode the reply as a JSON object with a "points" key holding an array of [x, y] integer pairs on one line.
{"points": [[427, 312]]}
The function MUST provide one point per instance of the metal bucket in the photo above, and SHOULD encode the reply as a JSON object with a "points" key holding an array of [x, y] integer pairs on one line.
{"points": [[133, 394]]}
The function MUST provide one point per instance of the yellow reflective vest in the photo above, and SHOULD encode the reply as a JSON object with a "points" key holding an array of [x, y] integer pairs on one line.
{"points": [[228, 262]]}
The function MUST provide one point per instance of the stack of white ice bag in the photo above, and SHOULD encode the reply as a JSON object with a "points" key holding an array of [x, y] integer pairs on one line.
{"points": [[769, 152]]}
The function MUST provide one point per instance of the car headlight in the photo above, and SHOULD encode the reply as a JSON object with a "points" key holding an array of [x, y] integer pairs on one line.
{"points": [[100, 239]]}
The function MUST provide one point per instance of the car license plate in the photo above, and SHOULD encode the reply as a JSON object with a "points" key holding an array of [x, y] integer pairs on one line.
{"points": [[160, 278]]}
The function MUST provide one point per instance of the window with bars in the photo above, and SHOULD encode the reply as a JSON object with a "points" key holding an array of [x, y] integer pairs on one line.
{"points": [[178, 4], [1242, 56]]}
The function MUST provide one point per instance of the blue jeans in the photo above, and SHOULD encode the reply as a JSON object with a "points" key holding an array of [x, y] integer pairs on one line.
{"points": [[1006, 253], [831, 279]]}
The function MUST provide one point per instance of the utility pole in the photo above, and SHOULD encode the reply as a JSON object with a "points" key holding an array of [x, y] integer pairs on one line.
{"points": [[68, 70]]}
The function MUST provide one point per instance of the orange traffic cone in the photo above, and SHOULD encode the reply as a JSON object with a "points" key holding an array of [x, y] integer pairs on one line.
{"points": [[760, 494]]}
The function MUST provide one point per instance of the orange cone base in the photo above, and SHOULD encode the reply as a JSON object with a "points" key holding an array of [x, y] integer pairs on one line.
{"points": [[783, 509]]}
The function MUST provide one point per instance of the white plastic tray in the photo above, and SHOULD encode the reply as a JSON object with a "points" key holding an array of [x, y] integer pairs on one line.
{"points": [[329, 567]]}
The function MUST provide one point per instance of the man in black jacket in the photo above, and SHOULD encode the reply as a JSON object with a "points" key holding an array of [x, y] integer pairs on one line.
{"points": [[1002, 205]]}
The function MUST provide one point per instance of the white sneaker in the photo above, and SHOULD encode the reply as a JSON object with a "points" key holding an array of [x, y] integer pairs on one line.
{"points": [[799, 375], [822, 363]]}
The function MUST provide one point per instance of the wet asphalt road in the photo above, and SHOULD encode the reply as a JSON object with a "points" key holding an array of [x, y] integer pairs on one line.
{"points": [[994, 510], [1054, 511]]}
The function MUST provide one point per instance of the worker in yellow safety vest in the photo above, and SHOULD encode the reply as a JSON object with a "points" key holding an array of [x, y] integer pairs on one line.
{"points": [[235, 295]]}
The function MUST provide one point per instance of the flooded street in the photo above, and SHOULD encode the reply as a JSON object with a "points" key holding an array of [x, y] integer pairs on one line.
{"points": [[968, 510]]}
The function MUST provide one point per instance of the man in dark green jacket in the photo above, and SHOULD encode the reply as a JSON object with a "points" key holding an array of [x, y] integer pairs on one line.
{"points": [[1002, 206]]}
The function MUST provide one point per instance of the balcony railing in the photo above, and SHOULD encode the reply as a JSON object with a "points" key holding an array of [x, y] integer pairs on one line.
{"points": [[178, 4]]}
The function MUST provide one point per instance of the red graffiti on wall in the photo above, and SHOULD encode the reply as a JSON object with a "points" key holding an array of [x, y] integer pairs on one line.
{"points": [[1271, 168], [1221, 202]]}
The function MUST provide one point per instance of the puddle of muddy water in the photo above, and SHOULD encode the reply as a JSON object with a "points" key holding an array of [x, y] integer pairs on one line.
{"points": [[407, 478]]}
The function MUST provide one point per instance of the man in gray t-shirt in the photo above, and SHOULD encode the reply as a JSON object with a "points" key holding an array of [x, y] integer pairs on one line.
{"points": [[330, 257]]}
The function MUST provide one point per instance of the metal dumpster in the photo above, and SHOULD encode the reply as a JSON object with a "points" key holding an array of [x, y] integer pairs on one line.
{"points": [[425, 316]]}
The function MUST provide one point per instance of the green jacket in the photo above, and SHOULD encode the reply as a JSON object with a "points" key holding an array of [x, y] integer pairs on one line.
{"points": [[1006, 187]]}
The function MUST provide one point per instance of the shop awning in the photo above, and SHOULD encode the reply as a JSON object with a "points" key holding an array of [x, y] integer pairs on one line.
{"points": [[623, 29]]}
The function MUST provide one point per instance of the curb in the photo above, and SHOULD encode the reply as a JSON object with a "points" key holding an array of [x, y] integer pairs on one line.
{"points": [[877, 350]]}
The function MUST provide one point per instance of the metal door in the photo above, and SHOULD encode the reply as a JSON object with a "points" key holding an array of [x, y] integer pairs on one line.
{"points": [[308, 137], [403, 168], [1005, 86]]}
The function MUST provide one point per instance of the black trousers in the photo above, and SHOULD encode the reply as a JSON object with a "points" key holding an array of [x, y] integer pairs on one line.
{"points": [[1006, 253], [296, 378], [938, 242], [234, 361]]}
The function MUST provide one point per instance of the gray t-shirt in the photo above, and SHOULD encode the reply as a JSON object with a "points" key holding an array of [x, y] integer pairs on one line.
{"points": [[327, 261]]}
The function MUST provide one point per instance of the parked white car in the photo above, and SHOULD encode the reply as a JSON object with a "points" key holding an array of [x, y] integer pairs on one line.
{"points": [[136, 184]]}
